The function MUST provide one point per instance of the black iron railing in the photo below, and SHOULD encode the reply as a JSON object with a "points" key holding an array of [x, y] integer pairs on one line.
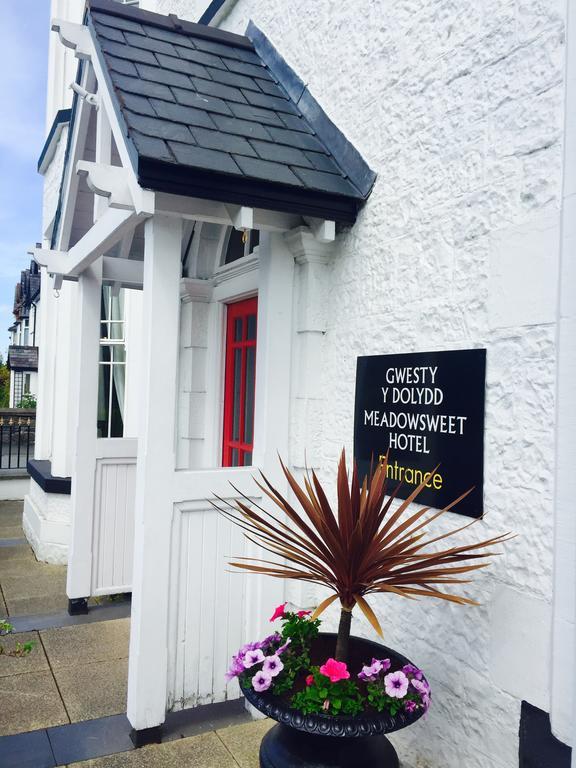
{"points": [[17, 434]]}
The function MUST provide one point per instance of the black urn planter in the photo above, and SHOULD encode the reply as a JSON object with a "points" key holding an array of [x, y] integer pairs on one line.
{"points": [[331, 741]]}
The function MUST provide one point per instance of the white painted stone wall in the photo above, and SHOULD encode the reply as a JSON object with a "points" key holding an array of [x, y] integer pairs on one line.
{"points": [[459, 108]]}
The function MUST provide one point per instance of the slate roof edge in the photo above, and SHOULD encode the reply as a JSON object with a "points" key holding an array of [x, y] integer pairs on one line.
{"points": [[177, 179], [62, 118], [346, 155], [170, 22]]}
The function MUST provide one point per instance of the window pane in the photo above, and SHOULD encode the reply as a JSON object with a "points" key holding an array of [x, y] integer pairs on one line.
{"points": [[247, 459], [235, 249], [234, 462], [103, 399], [249, 397], [116, 330], [103, 330], [251, 331], [105, 353], [119, 353], [117, 420], [238, 329], [236, 405]]}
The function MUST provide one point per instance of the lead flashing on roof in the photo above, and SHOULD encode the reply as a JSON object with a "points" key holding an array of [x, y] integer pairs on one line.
{"points": [[349, 159], [60, 121]]}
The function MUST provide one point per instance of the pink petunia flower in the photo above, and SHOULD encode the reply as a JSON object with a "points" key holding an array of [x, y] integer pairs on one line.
{"points": [[310, 680], [261, 681], [396, 684], [253, 657], [272, 665], [278, 613], [301, 614], [410, 706], [335, 670]]}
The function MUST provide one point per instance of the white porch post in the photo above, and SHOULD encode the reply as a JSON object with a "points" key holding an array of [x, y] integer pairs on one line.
{"points": [[88, 335], [147, 676]]}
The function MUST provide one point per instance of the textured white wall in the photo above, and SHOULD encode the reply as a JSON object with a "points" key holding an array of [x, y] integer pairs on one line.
{"points": [[459, 108]]}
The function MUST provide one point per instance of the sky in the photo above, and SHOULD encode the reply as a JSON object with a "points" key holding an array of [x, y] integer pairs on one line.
{"points": [[23, 66]]}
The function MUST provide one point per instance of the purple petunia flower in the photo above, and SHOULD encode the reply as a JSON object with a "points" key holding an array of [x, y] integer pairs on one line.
{"points": [[272, 666], [421, 686], [410, 669], [410, 706], [396, 684], [370, 672], [253, 657], [261, 681], [282, 648], [272, 639]]}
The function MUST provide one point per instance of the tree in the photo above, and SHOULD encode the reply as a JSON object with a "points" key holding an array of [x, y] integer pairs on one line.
{"points": [[4, 384]]}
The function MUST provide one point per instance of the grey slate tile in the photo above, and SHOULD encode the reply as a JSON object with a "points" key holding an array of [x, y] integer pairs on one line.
{"points": [[231, 78], [201, 101], [150, 44], [225, 142], [322, 162], [248, 112], [123, 51], [200, 57], [296, 139], [168, 36], [162, 129], [139, 104], [295, 123], [209, 159], [181, 114], [181, 65], [276, 103], [110, 32], [211, 88], [264, 169], [148, 146], [241, 127], [142, 87], [165, 76], [280, 153], [226, 51], [118, 22], [327, 182], [252, 70], [267, 86], [122, 66]]}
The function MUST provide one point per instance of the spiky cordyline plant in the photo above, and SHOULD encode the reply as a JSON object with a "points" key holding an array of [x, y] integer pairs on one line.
{"points": [[366, 547]]}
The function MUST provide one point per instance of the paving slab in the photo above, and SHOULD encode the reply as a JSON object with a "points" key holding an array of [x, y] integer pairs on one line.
{"points": [[27, 750], [90, 739], [29, 702], [10, 532], [30, 606], [87, 643], [243, 741], [11, 514], [19, 552], [93, 690], [35, 661], [16, 568], [203, 751]]}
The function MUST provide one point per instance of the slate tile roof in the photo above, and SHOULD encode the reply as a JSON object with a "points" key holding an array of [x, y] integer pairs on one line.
{"points": [[214, 107], [22, 358]]}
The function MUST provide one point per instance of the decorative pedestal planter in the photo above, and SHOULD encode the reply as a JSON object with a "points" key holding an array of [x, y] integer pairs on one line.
{"points": [[328, 741]]}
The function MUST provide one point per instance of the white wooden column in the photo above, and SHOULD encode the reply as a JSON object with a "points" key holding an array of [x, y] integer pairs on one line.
{"points": [[312, 258], [45, 340], [147, 676], [86, 370]]}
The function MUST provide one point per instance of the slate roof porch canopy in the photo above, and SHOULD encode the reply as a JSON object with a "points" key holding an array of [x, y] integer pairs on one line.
{"points": [[211, 116]]}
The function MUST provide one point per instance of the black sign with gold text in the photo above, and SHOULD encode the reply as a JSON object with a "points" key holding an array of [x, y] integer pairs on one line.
{"points": [[426, 408]]}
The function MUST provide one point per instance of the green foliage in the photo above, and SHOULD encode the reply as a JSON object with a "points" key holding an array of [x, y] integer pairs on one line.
{"points": [[341, 698], [380, 701], [21, 649], [296, 658], [28, 401], [4, 385]]}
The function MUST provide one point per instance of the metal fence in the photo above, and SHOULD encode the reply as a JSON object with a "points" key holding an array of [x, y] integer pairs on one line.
{"points": [[17, 434]]}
